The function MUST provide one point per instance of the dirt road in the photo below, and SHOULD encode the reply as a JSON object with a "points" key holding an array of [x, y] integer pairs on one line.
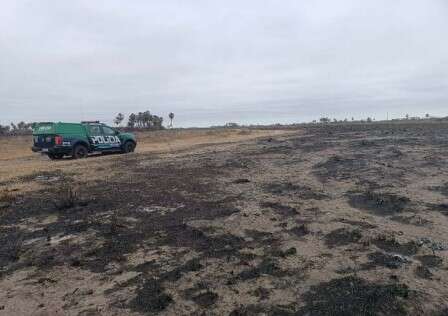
{"points": [[323, 220]]}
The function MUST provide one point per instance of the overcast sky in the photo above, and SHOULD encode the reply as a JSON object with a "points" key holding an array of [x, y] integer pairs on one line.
{"points": [[212, 62]]}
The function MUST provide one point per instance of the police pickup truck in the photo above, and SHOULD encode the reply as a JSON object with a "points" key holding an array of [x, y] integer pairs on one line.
{"points": [[79, 139]]}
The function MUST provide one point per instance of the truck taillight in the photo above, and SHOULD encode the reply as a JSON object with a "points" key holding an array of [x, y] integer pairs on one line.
{"points": [[58, 140]]}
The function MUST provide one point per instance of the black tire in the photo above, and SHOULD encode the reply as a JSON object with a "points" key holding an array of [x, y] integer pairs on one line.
{"points": [[128, 147], [55, 156], [80, 151]]}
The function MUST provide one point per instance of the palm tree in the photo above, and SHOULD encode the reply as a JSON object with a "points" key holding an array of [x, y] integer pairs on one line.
{"points": [[171, 116], [138, 119], [118, 119], [132, 119], [147, 119]]}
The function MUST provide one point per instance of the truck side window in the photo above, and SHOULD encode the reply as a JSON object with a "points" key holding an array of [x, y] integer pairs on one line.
{"points": [[108, 131], [94, 130]]}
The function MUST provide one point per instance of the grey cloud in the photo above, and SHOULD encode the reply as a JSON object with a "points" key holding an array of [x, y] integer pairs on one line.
{"points": [[213, 61]]}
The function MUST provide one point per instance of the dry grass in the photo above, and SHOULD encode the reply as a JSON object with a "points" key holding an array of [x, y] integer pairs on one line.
{"points": [[15, 147], [18, 161], [173, 140]]}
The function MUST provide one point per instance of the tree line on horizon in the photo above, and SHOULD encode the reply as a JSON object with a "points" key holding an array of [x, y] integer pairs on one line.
{"points": [[20, 128], [146, 120], [326, 120], [140, 120]]}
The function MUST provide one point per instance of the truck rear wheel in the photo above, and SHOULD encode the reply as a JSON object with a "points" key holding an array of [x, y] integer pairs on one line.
{"points": [[80, 151]]}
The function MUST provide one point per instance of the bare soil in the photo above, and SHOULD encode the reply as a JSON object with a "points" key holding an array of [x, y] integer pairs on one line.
{"points": [[319, 220]]}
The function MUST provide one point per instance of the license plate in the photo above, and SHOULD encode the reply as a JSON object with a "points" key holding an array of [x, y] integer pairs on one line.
{"points": [[44, 150]]}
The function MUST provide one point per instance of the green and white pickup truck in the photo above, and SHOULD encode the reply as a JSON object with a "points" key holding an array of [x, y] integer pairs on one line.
{"points": [[79, 139]]}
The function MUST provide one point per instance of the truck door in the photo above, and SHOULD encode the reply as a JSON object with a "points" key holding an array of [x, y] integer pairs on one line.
{"points": [[95, 137], [111, 138]]}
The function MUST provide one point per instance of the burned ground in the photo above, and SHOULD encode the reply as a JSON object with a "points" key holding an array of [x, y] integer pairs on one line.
{"points": [[324, 220], [342, 237], [355, 296], [379, 203]]}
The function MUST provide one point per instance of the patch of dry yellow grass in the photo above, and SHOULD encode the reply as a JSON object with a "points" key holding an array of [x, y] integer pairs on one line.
{"points": [[17, 160]]}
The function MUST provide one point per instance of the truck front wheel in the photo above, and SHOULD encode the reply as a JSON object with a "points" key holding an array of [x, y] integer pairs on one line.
{"points": [[80, 151], [128, 147]]}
